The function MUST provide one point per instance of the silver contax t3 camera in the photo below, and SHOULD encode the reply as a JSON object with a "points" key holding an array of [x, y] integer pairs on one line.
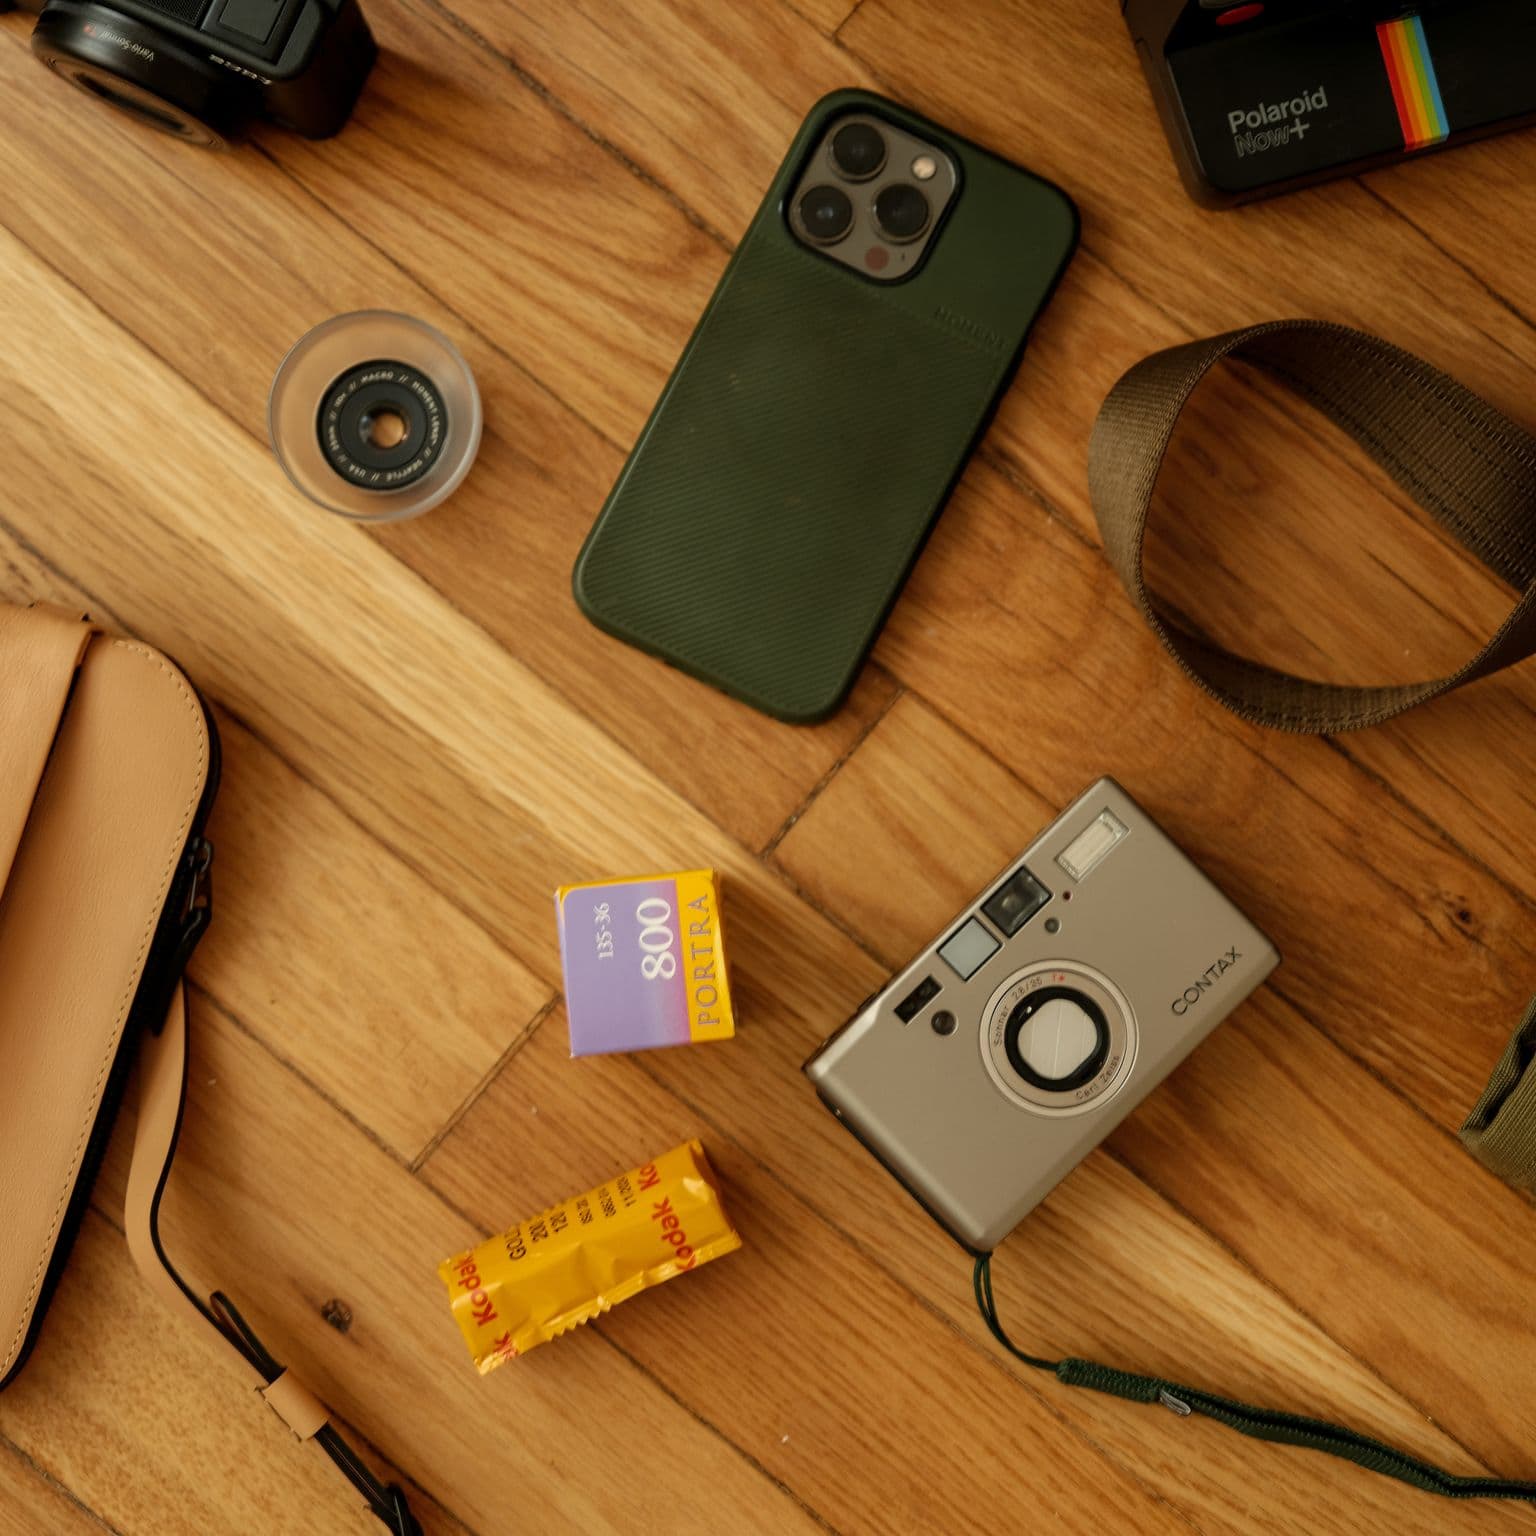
{"points": [[1012, 1045]]}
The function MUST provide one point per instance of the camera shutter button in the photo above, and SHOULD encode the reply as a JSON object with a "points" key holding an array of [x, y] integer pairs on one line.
{"points": [[249, 20]]}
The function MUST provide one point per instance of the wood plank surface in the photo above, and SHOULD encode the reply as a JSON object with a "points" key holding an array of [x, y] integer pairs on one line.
{"points": [[423, 738]]}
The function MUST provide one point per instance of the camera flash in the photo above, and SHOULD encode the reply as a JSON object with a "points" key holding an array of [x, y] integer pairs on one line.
{"points": [[1091, 844], [925, 168]]}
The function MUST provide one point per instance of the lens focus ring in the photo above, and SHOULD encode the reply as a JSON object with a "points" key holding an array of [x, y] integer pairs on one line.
{"points": [[1058, 1038]]}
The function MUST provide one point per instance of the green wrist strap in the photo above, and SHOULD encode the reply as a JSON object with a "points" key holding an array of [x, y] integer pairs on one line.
{"points": [[1467, 464], [1261, 1423]]}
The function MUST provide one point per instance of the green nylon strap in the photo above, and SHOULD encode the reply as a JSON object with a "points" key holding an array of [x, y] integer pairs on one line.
{"points": [[1463, 461], [1467, 464], [1501, 1130], [1260, 1423]]}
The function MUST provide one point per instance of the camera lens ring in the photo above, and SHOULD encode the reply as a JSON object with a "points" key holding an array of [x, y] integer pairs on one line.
{"points": [[1055, 1101], [825, 213], [141, 72], [1026, 1009], [902, 212], [357, 400], [857, 151], [313, 369]]}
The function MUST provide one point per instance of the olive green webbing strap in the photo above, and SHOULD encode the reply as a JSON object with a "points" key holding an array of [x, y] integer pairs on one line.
{"points": [[1501, 1130], [1261, 1423], [1467, 464]]}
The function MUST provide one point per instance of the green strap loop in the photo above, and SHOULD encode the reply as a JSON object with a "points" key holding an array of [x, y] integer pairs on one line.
{"points": [[1259, 1423], [1501, 1130]]}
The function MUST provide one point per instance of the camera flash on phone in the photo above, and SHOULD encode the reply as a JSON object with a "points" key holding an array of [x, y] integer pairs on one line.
{"points": [[925, 168]]}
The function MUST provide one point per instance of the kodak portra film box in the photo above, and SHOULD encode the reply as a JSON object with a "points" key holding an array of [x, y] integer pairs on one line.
{"points": [[644, 962]]}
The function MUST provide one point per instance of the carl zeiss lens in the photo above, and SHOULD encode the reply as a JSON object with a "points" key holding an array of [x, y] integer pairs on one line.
{"points": [[826, 214], [858, 151], [901, 211], [1057, 1039], [375, 416]]}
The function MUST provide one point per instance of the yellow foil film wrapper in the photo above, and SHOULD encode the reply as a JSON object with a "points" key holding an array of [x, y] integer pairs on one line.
{"points": [[588, 1253]]}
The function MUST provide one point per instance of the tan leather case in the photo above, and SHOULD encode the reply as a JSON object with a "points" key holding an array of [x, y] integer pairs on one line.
{"points": [[107, 763]]}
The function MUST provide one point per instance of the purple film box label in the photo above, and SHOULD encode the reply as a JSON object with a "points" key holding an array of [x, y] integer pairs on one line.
{"points": [[644, 962]]}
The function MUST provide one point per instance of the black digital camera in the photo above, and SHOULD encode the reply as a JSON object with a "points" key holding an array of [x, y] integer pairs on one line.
{"points": [[202, 69], [1260, 96]]}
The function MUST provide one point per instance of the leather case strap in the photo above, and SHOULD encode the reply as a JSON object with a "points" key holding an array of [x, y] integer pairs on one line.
{"points": [[43, 650], [162, 1093], [1467, 464]]}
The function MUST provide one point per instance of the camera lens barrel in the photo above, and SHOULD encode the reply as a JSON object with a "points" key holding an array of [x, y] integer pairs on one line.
{"points": [[1058, 1037], [363, 398], [140, 71]]}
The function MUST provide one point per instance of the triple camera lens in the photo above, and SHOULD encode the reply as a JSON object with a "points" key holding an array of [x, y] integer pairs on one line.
{"points": [[858, 152]]}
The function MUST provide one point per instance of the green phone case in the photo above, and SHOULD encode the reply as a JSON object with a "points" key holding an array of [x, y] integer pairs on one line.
{"points": [[812, 430]]}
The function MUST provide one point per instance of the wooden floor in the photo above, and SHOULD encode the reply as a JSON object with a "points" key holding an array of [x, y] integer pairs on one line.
{"points": [[423, 738]]}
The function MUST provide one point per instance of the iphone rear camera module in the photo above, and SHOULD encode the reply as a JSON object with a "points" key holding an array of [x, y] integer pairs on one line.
{"points": [[872, 196]]}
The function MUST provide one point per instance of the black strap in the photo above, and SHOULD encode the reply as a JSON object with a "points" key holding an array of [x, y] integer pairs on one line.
{"points": [[386, 1500], [162, 1102], [1260, 1423]]}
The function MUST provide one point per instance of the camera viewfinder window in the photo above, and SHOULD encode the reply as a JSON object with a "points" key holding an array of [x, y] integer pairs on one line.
{"points": [[1014, 902]]}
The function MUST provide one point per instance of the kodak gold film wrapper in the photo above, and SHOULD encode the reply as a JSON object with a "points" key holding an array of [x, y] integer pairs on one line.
{"points": [[587, 1254]]}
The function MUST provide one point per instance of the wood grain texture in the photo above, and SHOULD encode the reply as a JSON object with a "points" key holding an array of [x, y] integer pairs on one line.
{"points": [[423, 739], [30, 1501]]}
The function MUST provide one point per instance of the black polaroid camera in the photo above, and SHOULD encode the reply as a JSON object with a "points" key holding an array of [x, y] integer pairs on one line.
{"points": [[1260, 96], [201, 69]]}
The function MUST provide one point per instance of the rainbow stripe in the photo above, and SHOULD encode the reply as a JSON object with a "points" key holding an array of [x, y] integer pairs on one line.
{"points": [[1414, 86]]}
